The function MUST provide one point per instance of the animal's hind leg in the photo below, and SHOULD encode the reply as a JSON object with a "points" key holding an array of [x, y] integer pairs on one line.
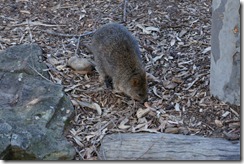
{"points": [[109, 82], [116, 87]]}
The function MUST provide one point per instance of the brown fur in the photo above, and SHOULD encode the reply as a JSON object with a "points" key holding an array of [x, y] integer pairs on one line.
{"points": [[118, 57]]}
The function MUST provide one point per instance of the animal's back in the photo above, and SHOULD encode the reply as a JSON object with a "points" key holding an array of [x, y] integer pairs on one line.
{"points": [[116, 48]]}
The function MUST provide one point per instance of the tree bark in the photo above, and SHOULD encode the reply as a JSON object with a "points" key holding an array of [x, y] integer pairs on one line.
{"points": [[225, 47]]}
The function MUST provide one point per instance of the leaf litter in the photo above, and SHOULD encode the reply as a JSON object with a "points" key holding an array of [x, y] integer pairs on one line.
{"points": [[174, 38]]}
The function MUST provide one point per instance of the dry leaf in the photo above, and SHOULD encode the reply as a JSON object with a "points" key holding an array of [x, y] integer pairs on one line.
{"points": [[78, 141], [142, 112], [182, 32], [25, 11], [234, 125], [61, 67], [233, 111], [152, 29], [172, 42], [191, 84], [148, 130], [92, 106], [218, 123], [144, 30], [139, 126], [169, 84], [53, 61], [226, 114], [88, 137], [97, 107], [177, 107], [122, 124], [157, 58], [163, 123], [172, 130], [155, 92], [177, 80], [153, 78], [173, 122], [88, 152], [206, 50]]}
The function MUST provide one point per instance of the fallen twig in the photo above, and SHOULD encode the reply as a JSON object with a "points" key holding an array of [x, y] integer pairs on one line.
{"points": [[124, 12], [30, 33], [35, 23], [39, 73], [67, 35], [77, 46]]}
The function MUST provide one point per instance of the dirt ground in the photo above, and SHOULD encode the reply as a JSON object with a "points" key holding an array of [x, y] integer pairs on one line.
{"points": [[174, 38]]}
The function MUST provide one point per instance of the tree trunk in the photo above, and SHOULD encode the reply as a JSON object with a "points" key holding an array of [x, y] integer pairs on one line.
{"points": [[225, 47]]}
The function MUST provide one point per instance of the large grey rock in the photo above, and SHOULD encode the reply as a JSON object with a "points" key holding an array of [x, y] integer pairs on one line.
{"points": [[225, 45], [33, 110]]}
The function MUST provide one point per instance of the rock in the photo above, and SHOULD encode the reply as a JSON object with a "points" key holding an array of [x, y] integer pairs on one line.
{"points": [[80, 64], [225, 78], [23, 59], [33, 110]]}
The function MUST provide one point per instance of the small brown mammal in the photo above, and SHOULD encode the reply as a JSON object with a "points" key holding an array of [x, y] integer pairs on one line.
{"points": [[118, 59]]}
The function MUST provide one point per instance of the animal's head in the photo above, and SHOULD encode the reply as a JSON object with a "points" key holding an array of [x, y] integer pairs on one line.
{"points": [[137, 87]]}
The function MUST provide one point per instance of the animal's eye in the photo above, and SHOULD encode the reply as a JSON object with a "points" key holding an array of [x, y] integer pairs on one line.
{"points": [[140, 94]]}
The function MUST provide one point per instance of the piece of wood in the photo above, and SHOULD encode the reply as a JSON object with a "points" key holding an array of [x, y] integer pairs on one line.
{"points": [[124, 11], [162, 146]]}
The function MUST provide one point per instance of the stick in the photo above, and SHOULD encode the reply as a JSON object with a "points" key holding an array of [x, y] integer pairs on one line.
{"points": [[124, 13], [39, 73], [67, 35], [77, 46], [35, 23], [30, 33]]}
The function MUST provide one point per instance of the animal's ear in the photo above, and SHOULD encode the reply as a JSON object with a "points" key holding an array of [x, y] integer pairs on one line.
{"points": [[135, 82]]}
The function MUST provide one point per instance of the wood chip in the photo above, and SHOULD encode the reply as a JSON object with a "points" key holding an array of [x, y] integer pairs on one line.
{"points": [[142, 112], [172, 130]]}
